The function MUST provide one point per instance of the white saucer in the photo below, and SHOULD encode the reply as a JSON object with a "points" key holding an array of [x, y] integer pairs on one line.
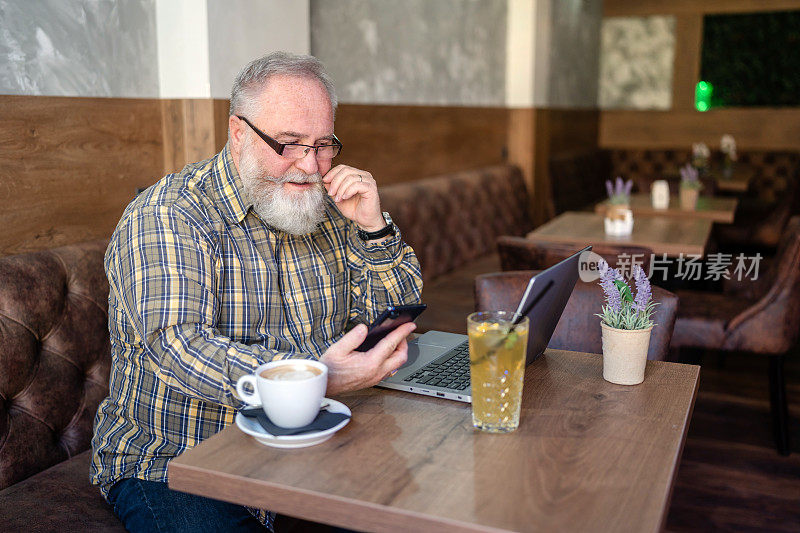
{"points": [[252, 427]]}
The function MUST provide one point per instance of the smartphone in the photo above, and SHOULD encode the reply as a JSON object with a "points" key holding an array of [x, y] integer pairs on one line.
{"points": [[391, 317]]}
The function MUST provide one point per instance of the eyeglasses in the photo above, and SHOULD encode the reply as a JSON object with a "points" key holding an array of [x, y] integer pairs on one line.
{"points": [[296, 150]]}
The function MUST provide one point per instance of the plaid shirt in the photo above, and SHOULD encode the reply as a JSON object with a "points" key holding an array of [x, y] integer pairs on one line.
{"points": [[202, 292]]}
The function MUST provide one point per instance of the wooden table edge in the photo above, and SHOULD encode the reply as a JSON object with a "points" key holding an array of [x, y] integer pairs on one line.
{"points": [[673, 250], [721, 217], [319, 507], [679, 450]]}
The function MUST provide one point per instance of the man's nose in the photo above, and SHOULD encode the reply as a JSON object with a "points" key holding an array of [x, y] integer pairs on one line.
{"points": [[308, 163]]}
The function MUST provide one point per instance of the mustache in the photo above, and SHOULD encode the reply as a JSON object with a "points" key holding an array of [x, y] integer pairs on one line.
{"points": [[296, 177]]}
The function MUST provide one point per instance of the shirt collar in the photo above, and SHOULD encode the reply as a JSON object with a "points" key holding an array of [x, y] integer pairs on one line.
{"points": [[229, 187]]}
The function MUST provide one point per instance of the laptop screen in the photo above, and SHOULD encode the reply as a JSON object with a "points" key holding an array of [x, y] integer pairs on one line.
{"points": [[544, 301]]}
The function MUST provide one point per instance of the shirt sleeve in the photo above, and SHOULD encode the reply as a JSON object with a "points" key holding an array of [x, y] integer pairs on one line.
{"points": [[163, 270], [382, 274]]}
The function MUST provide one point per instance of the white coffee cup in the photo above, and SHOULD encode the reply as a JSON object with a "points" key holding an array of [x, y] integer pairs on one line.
{"points": [[290, 391], [659, 194]]}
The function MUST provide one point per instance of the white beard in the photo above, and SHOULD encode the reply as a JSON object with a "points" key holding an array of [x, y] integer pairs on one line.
{"points": [[296, 213]]}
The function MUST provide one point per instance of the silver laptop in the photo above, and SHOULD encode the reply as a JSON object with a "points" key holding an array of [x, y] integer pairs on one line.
{"points": [[438, 362]]}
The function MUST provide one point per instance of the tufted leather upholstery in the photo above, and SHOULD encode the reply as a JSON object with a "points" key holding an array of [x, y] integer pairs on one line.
{"points": [[453, 219], [578, 180], [767, 325], [58, 499], [579, 328], [775, 170], [521, 253], [54, 356]]}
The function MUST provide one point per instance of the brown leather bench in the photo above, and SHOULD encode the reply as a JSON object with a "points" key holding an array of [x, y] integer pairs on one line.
{"points": [[54, 367], [452, 222]]}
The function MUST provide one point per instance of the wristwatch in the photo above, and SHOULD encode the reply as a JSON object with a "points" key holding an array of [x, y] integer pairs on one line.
{"points": [[383, 232]]}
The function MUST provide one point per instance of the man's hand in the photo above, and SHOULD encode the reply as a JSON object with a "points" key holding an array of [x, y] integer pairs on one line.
{"points": [[356, 195], [349, 370]]}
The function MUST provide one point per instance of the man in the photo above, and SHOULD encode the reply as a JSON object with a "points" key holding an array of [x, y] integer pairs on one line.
{"points": [[262, 252]]}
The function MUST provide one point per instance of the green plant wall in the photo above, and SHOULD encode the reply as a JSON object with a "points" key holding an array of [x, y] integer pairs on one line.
{"points": [[752, 59]]}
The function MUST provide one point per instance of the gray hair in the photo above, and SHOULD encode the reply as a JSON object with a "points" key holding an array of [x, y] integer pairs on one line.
{"points": [[256, 74]]}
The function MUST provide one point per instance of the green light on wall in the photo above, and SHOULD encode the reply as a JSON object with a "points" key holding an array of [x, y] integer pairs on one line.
{"points": [[702, 96]]}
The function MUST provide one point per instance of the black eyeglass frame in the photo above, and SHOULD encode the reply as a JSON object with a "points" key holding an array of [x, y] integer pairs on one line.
{"points": [[278, 146]]}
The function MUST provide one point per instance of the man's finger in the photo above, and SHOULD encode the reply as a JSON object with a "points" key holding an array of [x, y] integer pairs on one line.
{"points": [[351, 340], [390, 342], [397, 359]]}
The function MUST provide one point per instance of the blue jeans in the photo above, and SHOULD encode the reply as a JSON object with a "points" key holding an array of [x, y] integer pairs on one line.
{"points": [[145, 506]]}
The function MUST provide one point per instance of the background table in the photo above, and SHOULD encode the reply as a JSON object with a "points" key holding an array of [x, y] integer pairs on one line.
{"points": [[739, 181], [588, 456], [716, 209], [662, 234]]}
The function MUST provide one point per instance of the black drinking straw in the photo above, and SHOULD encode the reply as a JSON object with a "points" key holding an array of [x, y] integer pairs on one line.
{"points": [[527, 309]]}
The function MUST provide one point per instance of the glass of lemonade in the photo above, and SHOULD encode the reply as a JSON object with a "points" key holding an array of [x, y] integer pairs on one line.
{"points": [[497, 369]]}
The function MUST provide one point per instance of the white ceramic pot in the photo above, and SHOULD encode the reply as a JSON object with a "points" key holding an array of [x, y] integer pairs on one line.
{"points": [[618, 222], [659, 194], [624, 354]]}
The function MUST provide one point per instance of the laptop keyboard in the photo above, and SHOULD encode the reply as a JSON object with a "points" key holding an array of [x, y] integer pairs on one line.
{"points": [[450, 370]]}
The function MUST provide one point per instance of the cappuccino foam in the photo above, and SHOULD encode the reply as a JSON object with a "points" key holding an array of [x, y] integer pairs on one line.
{"points": [[291, 373]]}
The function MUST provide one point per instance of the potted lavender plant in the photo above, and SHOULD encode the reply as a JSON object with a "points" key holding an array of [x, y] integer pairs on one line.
{"points": [[626, 322], [690, 188], [619, 218]]}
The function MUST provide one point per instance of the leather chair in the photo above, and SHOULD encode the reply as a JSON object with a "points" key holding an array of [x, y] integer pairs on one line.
{"points": [[522, 253], [579, 328], [55, 358], [763, 319], [759, 225]]}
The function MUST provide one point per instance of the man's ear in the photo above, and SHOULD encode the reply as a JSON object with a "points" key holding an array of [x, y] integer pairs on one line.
{"points": [[235, 134]]}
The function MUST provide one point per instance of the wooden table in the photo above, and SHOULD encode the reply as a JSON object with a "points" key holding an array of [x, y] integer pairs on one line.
{"points": [[738, 182], [716, 209], [662, 234], [588, 456]]}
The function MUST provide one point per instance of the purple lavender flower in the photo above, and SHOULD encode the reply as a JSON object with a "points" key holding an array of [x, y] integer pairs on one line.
{"points": [[628, 187], [643, 291], [607, 277], [689, 176], [609, 189]]}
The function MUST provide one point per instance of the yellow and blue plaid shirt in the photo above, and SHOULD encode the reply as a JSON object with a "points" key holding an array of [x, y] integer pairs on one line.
{"points": [[202, 291]]}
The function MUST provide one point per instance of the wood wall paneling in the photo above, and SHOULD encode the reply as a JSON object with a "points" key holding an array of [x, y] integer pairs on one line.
{"points": [[173, 139], [628, 8], [189, 131], [69, 166], [221, 114], [521, 143], [686, 66], [198, 128], [405, 143], [753, 129]]}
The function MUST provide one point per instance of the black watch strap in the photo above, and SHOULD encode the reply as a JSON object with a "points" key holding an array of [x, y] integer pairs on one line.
{"points": [[372, 235], [383, 232]]}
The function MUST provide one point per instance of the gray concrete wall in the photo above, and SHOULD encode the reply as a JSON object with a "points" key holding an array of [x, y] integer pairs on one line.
{"points": [[78, 48], [574, 53], [242, 30], [443, 52]]}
